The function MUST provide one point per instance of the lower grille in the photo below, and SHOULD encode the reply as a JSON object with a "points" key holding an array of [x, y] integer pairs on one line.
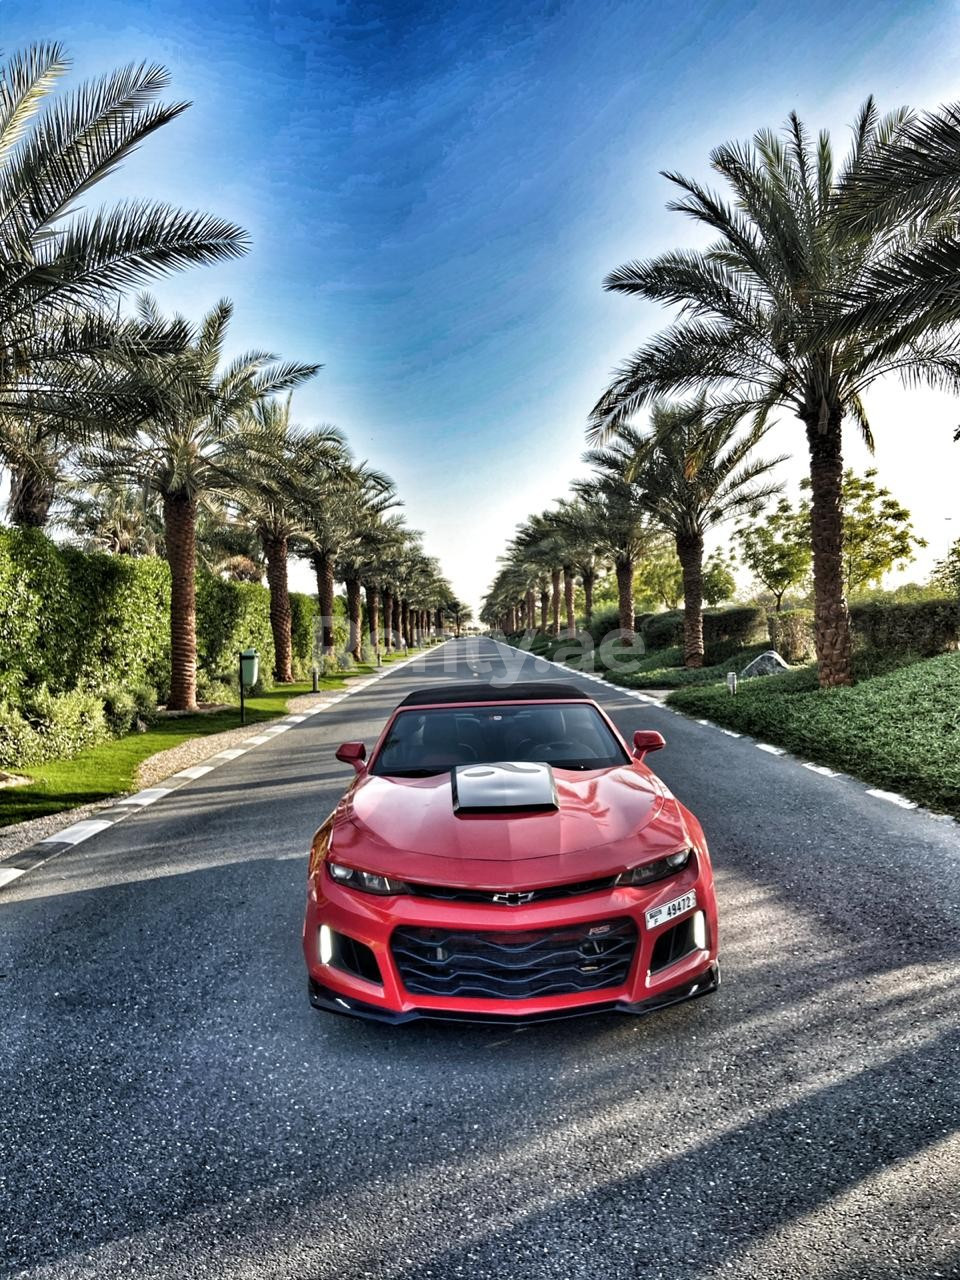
{"points": [[511, 965]]}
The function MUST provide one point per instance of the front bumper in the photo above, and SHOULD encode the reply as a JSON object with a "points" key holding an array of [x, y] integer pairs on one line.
{"points": [[323, 998], [648, 984]]}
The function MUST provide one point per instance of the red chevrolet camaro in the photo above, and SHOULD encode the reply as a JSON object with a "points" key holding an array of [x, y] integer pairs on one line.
{"points": [[504, 856]]}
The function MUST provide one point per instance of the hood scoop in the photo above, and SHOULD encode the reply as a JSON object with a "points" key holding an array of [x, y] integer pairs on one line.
{"points": [[503, 788]]}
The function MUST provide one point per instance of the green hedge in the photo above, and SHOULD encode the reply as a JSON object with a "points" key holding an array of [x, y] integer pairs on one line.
{"points": [[231, 616], [791, 634], [724, 630], [85, 642], [304, 610], [926, 627], [72, 620]]}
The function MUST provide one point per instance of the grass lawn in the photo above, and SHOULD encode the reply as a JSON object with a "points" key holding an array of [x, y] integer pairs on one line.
{"points": [[110, 768], [897, 728]]}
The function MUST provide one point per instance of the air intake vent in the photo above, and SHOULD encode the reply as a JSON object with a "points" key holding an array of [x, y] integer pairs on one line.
{"points": [[485, 788], [515, 965]]}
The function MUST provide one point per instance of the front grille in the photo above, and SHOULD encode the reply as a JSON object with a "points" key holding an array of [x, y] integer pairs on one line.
{"points": [[515, 965], [448, 893]]}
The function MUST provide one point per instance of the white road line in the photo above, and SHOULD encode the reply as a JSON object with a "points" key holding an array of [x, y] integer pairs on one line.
{"points": [[274, 729], [255, 742], [730, 733], [892, 797], [765, 746], [195, 771], [822, 770], [231, 753], [706, 722], [148, 796], [79, 831], [9, 874], [296, 718]]}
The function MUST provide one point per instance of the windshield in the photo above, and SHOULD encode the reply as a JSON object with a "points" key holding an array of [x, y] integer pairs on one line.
{"points": [[567, 736]]}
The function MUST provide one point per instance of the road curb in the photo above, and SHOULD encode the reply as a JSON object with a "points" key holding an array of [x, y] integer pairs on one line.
{"points": [[44, 851]]}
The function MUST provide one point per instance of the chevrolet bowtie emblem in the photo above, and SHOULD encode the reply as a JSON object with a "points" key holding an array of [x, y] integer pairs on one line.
{"points": [[514, 899]]}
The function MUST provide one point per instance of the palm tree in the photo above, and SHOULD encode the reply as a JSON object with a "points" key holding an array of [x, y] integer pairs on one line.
{"points": [[67, 364], [624, 529], [182, 453], [268, 455], [113, 515], [821, 281], [331, 502], [694, 474], [364, 535], [581, 541]]}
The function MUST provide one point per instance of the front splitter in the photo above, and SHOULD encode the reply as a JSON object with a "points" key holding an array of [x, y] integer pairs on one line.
{"points": [[330, 1001]]}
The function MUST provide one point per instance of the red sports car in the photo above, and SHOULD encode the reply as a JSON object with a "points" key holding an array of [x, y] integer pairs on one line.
{"points": [[504, 856]]}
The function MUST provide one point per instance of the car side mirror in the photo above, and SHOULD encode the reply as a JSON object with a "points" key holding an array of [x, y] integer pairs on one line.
{"points": [[645, 740], [354, 753]]}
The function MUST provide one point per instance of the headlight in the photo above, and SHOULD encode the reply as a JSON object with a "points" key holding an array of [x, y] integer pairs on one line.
{"points": [[647, 872], [365, 881]]}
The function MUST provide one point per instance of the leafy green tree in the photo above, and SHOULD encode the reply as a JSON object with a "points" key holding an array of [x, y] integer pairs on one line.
{"points": [[946, 572], [719, 584], [877, 531], [776, 549], [659, 577], [68, 366], [820, 281]]}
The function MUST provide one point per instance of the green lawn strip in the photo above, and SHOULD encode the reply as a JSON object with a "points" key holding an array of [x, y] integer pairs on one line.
{"points": [[110, 768], [663, 669], [897, 729]]}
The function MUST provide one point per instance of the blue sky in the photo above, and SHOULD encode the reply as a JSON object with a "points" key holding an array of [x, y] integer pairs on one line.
{"points": [[435, 192]]}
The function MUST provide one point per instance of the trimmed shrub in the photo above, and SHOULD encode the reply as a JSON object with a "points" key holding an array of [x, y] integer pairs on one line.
{"points": [[604, 621], [739, 626], [50, 725], [791, 634], [926, 627], [663, 630]]}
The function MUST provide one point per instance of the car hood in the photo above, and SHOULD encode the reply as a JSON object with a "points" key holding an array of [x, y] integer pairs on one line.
{"points": [[605, 820]]}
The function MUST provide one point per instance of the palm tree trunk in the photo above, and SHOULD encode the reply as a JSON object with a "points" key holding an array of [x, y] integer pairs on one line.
{"points": [[530, 610], [31, 497], [180, 536], [355, 618], [544, 610], [690, 553], [323, 568], [555, 600], [589, 577], [568, 600], [397, 623], [373, 616], [405, 623], [625, 596], [389, 634], [831, 619], [275, 550]]}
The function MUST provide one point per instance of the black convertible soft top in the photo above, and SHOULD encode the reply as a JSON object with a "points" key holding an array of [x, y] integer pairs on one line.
{"points": [[532, 691]]}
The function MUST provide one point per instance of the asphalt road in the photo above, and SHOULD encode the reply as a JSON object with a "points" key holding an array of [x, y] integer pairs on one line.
{"points": [[171, 1106]]}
